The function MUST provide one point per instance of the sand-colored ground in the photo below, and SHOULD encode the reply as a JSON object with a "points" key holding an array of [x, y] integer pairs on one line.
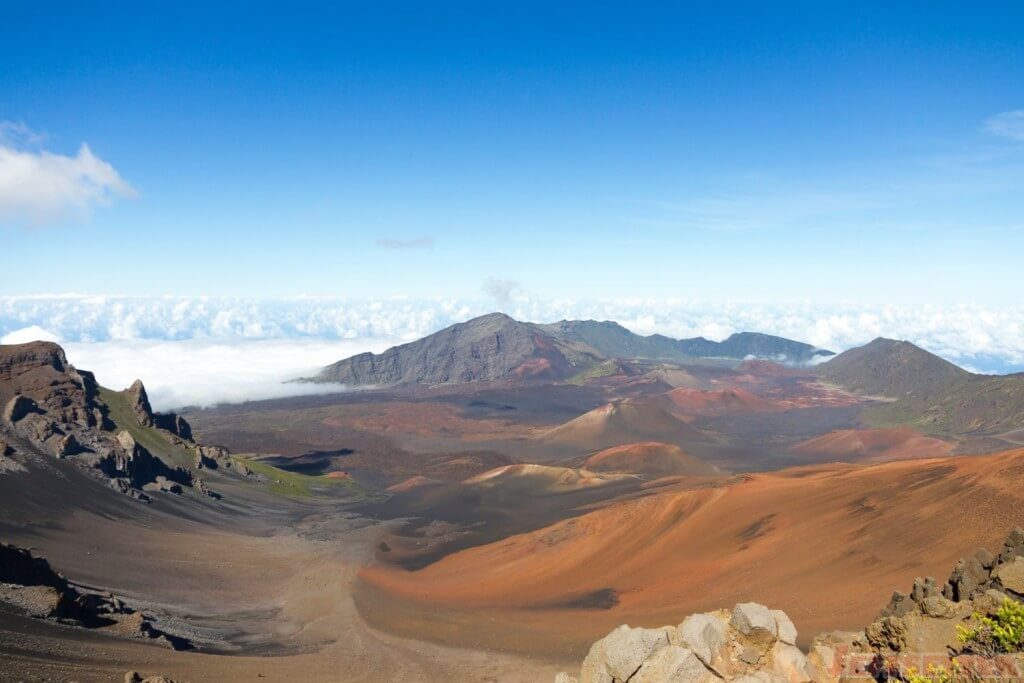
{"points": [[828, 544], [262, 585]]}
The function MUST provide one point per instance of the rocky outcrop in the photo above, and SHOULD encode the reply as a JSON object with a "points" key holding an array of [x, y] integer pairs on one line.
{"points": [[750, 643], [50, 408], [132, 462], [138, 401], [927, 618], [31, 584]]}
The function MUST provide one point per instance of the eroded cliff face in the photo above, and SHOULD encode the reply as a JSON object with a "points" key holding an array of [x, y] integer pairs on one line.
{"points": [[52, 409]]}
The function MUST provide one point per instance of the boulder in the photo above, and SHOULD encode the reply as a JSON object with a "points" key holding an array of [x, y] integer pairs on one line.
{"points": [[938, 607], [618, 655], [1011, 574], [754, 621], [785, 627], [968, 577], [674, 664], [706, 635], [788, 662], [888, 634], [899, 604]]}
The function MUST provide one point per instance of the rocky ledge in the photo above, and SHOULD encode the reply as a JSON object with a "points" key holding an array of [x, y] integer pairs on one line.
{"points": [[753, 643], [49, 408]]}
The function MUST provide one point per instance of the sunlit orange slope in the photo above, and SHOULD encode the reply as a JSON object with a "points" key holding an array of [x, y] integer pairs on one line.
{"points": [[828, 544], [874, 445]]}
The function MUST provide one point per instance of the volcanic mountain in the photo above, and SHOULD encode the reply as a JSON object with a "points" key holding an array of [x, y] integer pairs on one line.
{"points": [[717, 402], [496, 347], [928, 392], [651, 459], [622, 422]]}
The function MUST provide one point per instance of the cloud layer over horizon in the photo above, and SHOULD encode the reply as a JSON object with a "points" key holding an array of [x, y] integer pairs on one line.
{"points": [[198, 350]]}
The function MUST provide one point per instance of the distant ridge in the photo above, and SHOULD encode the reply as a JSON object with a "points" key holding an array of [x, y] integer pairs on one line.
{"points": [[497, 347]]}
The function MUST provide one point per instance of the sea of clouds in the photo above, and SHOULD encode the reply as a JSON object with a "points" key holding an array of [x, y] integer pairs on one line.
{"points": [[205, 350]]}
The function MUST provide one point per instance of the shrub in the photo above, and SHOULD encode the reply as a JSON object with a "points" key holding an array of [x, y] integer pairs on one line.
{"points": [[1002, 632], [934, 674]]}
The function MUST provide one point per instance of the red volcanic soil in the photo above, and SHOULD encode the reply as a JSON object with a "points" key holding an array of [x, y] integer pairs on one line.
{"points": [[534, 368], [718, 402], [622, 422], [827, 544], [873, 445], [650, 458]]}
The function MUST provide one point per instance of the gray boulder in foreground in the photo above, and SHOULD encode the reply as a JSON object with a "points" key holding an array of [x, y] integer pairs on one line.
{"points": [[742, 645]]}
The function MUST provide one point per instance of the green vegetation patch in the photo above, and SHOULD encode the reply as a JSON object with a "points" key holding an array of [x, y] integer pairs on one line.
{"points": [[298, 485], [605, 369]]}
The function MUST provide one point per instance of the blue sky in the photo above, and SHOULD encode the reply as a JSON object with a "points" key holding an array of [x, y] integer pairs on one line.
{"points": [[717, 151]]}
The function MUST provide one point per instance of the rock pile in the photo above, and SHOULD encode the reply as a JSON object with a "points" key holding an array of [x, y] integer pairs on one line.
{"points": [[749, 644]]}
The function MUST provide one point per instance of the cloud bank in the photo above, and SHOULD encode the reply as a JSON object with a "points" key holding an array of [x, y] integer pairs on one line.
{"points": [[37, 186], [208, 350]]}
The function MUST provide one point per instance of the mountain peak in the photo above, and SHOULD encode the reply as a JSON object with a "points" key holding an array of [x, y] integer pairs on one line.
{"points": [[891, 367]]}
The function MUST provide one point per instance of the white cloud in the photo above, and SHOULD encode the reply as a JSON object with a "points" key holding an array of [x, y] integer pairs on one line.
{"points": [[501, 290], [1009, 124], [29, 334], [37, 186], [203, 373], [204, 350]]}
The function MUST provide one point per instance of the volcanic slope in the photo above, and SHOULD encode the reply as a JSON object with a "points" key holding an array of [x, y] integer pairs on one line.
{"points": [[825, 543], [873, 445], [717, 402], [651, 459], [928, 392], [622, 422]]}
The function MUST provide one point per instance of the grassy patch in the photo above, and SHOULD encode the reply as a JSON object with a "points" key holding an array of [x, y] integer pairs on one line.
{"points": [[605, 369], [298, 485], [148, 437]]}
